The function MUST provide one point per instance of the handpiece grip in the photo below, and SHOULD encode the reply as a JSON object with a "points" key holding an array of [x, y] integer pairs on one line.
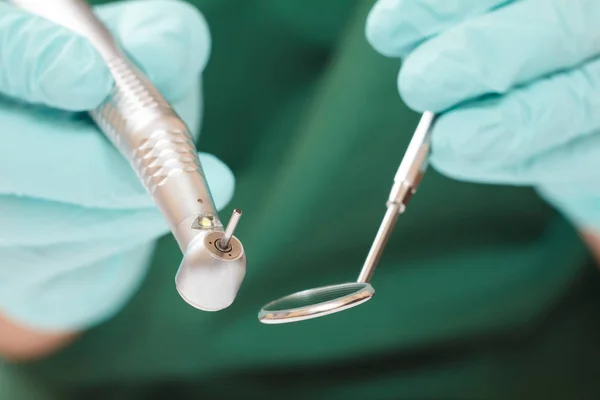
{"points": [[160, 148], [143, 127]]}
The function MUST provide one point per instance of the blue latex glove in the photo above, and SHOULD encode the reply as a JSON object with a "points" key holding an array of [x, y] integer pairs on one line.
{"points": [[517, 84], [77, 228]]}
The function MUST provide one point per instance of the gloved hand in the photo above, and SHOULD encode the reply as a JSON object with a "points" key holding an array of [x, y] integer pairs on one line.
{"points": [[517, 87], [77, 227]]}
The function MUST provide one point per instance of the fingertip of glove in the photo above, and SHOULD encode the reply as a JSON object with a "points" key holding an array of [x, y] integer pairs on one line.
{"points": [[47, 64], [421, 85], [376, 31], [414, 89], [387, 31], [199, 33], [474, 134], [445, 166], [77, 80], [220, 179], [169, 39]]}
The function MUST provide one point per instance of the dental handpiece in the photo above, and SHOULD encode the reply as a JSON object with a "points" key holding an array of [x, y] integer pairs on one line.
{"points": [[148, 132]]}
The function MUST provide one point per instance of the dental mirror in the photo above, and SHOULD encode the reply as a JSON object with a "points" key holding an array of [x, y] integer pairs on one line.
{"points": [[321, 301]]}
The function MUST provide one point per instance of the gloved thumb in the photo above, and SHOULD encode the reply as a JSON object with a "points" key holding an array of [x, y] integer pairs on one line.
{"points": [[44, 63]]}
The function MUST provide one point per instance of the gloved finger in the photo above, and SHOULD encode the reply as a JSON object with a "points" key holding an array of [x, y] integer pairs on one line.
{"points": [[70, 288], [579, 203], [396, 27], [499, 51], [44, 63], [41, 263], [123, 195], [575, 163], [169, 39], [79, 165], [34, 222], [525, 123]]}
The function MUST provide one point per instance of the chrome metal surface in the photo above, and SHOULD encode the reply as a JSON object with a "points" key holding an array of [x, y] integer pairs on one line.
{"points": [[223, 243], [414, 161], [315, 303], [407, 179], [209, 279], [381, 239], [234, 249]]}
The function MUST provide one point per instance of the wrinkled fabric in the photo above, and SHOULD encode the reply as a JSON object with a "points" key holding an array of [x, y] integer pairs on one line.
{"points": [[78, 228], [517, 86]]}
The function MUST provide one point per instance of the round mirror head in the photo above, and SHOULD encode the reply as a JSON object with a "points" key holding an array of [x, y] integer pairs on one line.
{"points": [[315, 303]]}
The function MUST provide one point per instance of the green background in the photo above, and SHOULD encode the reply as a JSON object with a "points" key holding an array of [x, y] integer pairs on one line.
{"points": [[484, 292]]}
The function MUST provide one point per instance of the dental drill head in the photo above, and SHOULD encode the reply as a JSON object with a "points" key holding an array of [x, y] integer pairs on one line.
{"points": [[148, 132], [213, 267]]}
